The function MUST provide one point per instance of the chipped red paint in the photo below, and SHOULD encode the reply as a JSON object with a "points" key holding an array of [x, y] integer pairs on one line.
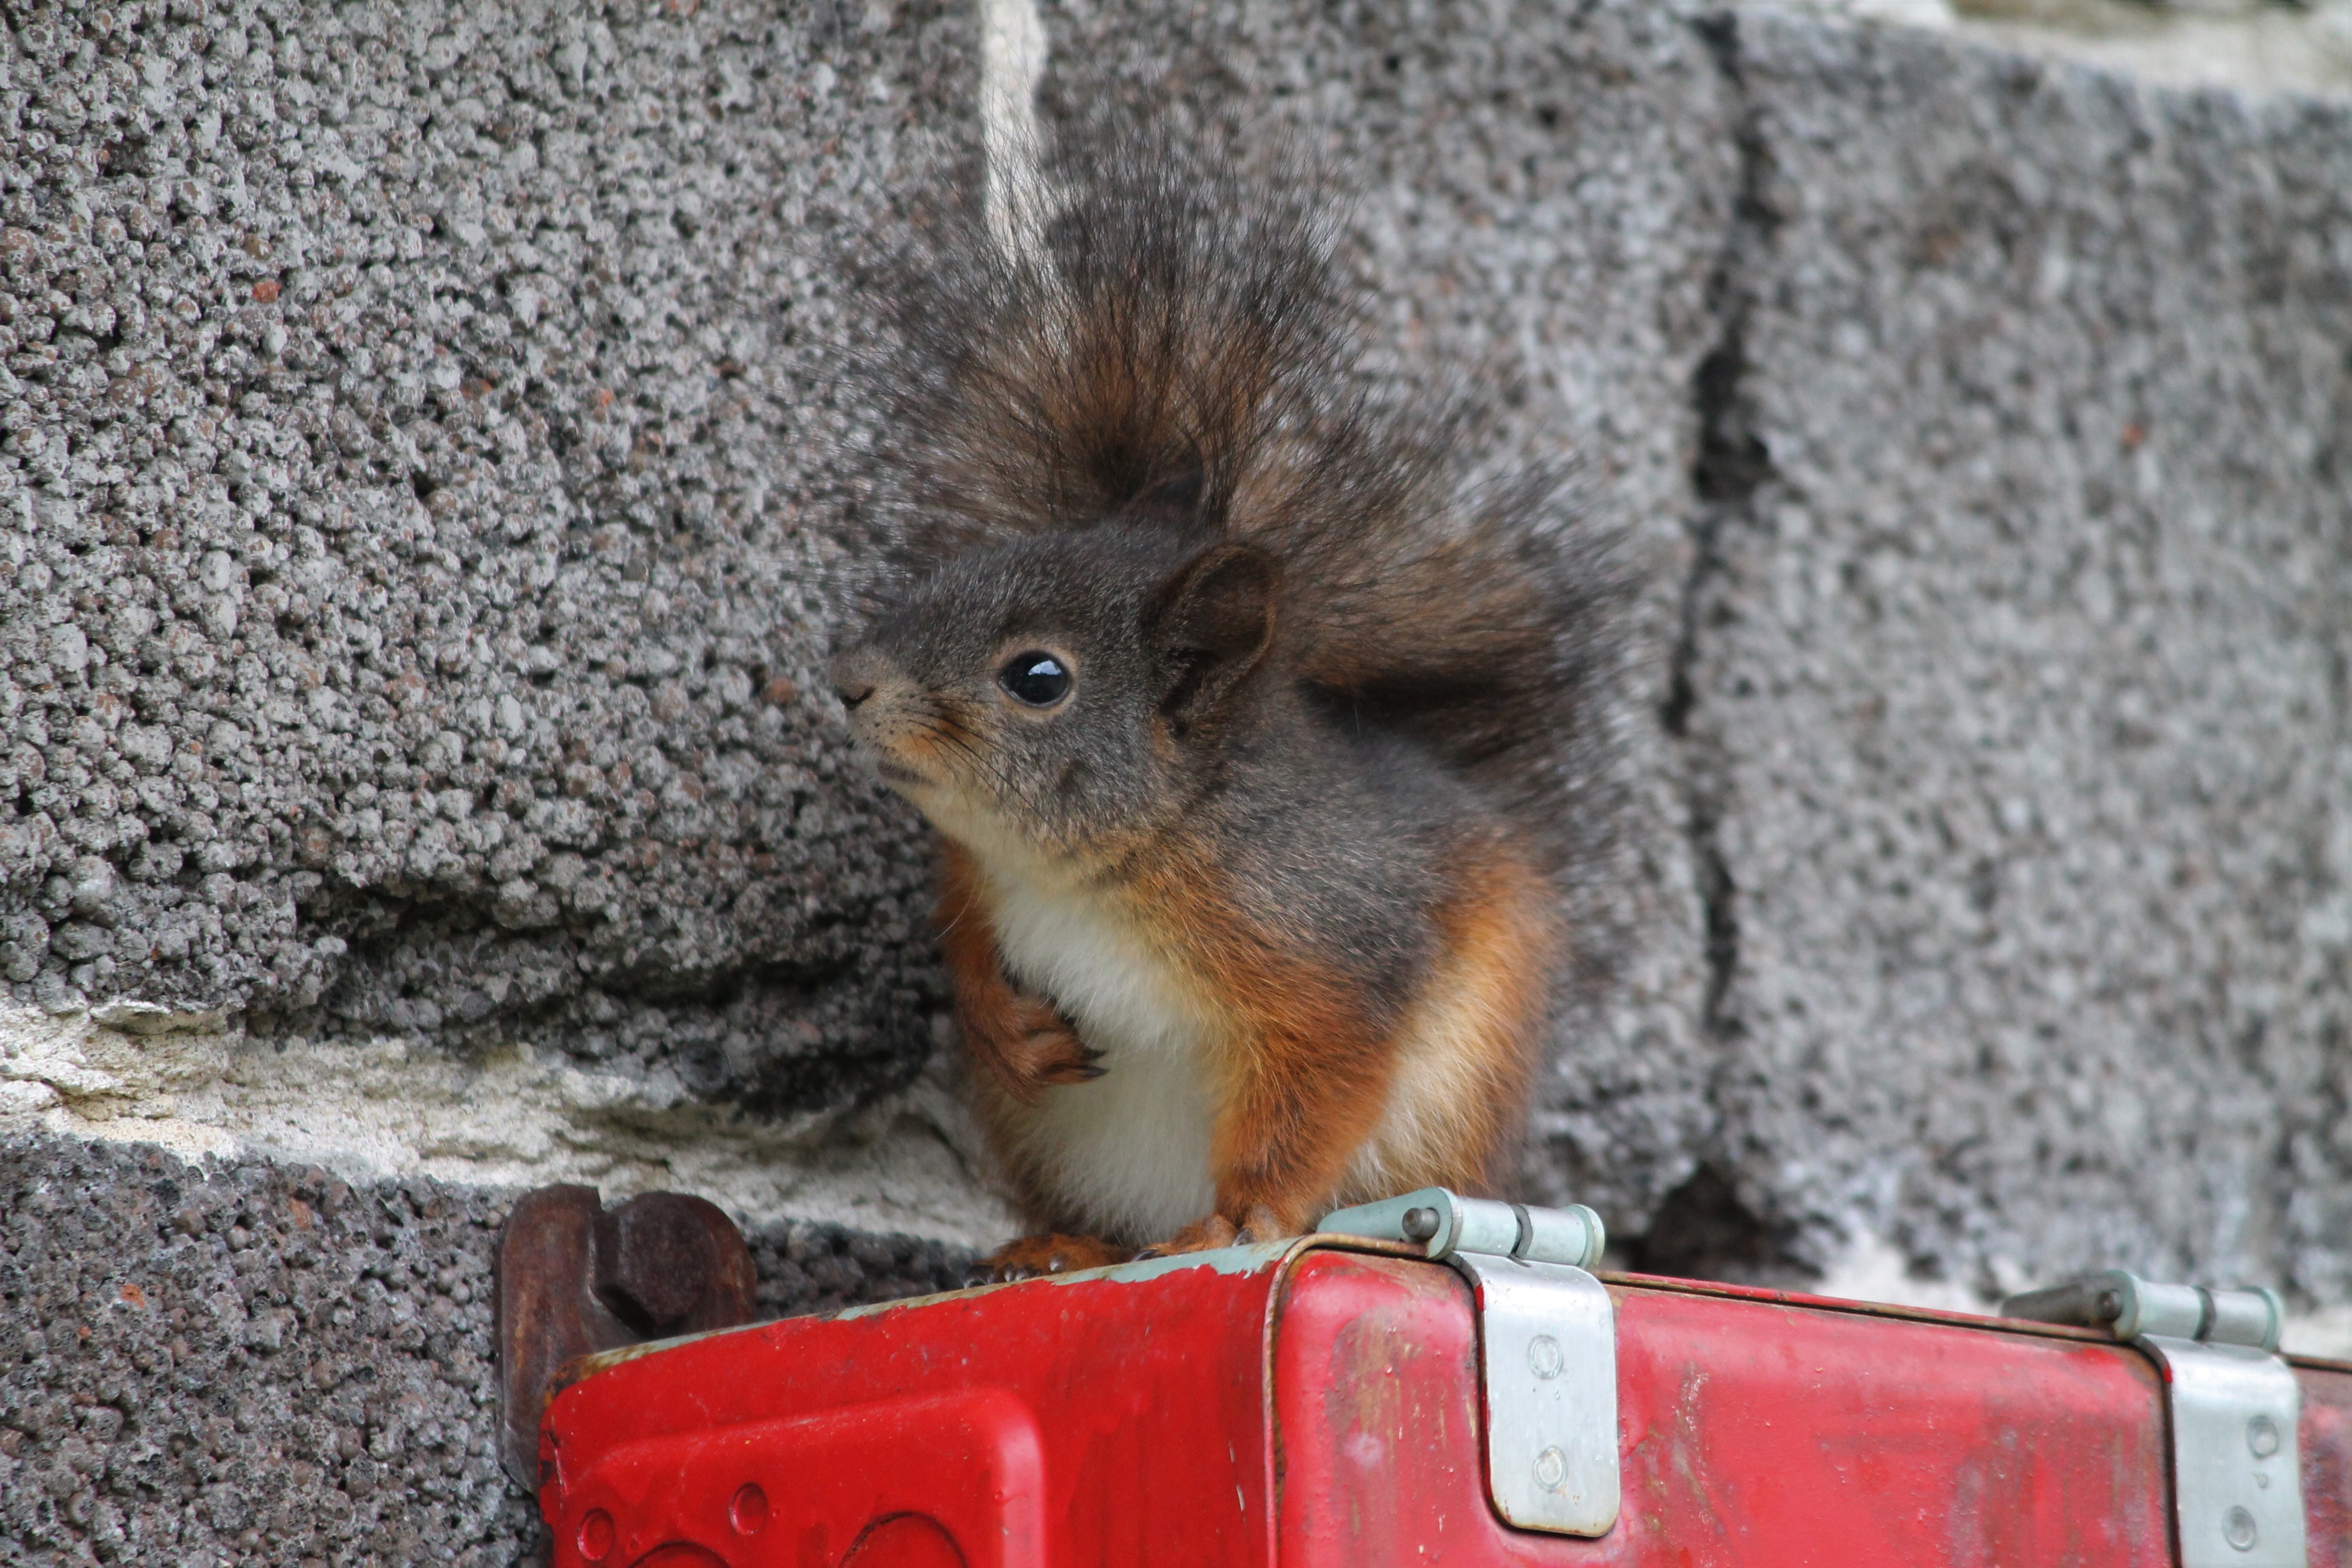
{"points": [[1318, 1406]]}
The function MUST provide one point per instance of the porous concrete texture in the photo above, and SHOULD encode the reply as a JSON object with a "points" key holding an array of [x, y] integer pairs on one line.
{"points": [[206, 1363], [2019, 719], [415, 560], [418, 546]]}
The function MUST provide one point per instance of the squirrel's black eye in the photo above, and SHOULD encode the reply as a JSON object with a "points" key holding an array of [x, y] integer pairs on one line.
{"points": [[1035, 677]]}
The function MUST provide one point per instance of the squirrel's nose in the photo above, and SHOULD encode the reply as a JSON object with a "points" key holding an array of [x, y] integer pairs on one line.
{"points": [[855, 676]]}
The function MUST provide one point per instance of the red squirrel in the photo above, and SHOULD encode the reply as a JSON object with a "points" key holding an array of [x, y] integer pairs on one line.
{"points": [[1254, 738]]}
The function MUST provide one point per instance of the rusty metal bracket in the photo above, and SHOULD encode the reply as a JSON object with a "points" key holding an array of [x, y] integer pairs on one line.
{"points": [[573, 1279]]}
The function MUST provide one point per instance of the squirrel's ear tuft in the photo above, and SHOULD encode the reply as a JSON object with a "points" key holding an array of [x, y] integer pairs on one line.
{"points": [[1211, 625]]}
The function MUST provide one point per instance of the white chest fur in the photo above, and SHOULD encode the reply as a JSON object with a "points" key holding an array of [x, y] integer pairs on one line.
{"points": [[1128, 1155]]}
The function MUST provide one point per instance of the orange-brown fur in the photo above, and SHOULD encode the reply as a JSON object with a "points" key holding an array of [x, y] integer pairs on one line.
{"points": [[1500, 940], [1305, 1073], [1017, 1039]]}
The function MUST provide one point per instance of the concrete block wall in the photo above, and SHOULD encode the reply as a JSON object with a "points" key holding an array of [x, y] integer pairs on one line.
{"points": [[419, 545], [2019, 718], [263, 1364]]}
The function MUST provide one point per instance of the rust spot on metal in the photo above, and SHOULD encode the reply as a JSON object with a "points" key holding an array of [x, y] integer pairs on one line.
{"points": [[670, 1264]]}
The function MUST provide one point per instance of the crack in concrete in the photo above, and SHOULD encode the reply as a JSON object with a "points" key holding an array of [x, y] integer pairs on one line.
{"points": [[1731, 465], [1710, 1225]]}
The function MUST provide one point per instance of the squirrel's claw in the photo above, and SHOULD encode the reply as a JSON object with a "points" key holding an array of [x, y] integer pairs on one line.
{"points": [[1027, 1047], [1035, 1256], [1203, 1235], [1258, 1223], [1053, 1054], [1083, 1071]]}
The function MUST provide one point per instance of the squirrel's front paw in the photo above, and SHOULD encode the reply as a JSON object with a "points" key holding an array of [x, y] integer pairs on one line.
{"points": [[1045, 1050], [1033, 1256]]}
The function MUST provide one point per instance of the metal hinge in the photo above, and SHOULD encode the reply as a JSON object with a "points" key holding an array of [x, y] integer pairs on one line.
{"points": [[1547, 1346], [2233, 1405]]}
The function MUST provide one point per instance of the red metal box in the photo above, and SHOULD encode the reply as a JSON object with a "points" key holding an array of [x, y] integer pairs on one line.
{"points": [[1321, 1403]]}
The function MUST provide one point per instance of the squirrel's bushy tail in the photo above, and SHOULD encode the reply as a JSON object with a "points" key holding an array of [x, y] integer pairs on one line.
{"points": [[1184, 346]]}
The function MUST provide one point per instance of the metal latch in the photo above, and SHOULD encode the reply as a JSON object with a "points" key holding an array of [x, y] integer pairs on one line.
{"points": [[2233, 1405], [1547, 1346]]}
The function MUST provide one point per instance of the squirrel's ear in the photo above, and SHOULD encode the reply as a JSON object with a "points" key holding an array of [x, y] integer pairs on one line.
{"points": [[1211, 625]]}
